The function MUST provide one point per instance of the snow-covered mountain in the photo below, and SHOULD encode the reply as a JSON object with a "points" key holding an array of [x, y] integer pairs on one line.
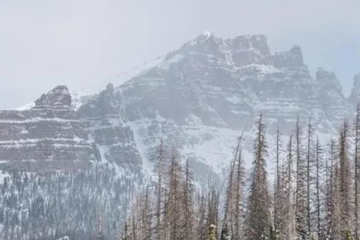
{"points": [[199, 98]]}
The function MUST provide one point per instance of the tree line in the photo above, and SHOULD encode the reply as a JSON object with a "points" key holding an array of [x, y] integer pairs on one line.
{"points": [[314, 194], [48, 206]]}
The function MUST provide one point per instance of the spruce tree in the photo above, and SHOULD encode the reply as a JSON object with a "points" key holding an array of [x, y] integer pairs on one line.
{"points": [[258, 220], [225, 235], [318, 203], [308, 174], [146, 215], [301, 193], [357, 172], [174, 198], [277, 186], [201, 231], [160, 167], [287, 229], [231, 204], [337, 229], [329, 190], [100, 225], [212, 208], [125, 235], [239, 198], [345, 179], [285, 197], [188, 204]]}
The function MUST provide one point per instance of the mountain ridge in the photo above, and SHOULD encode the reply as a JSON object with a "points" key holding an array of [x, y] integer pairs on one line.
{"points": [[198, 99], [210, 82]]}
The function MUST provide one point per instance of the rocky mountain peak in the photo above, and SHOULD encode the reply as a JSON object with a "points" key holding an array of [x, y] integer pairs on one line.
{"points": [[251, 42], [328, 80], [322, 74], [205, 43], [331, 96], [45, 138], [57, 97], [206, 35], [106, 102], [240, 51], [249, 49], [357, 80], [110, 87], [289, 59], [355, 92]]}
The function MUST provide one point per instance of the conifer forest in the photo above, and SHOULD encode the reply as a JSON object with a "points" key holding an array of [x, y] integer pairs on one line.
{"points": [[179, 120], [313, 195]]}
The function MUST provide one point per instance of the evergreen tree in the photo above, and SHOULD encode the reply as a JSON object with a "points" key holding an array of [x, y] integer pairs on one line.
{"points": [[213, 208], [225, 235], [357, 172], [336, 227], [146, 216], [318, 203], [100, 232], [278, 188], [233, 216], [188, 205], [174, 199], [345, 179], [160, 166], [258, 221], [308, 174], [304, 191], [287, 228], [201, 233], [239, 200], [301, 193], [329, 190], [125, 235]]}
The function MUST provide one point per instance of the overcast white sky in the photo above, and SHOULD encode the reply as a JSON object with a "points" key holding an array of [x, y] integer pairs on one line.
{"points": [[85, 43]]}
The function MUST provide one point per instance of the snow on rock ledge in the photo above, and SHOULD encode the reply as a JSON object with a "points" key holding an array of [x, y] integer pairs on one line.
{"points": [[58, 97], [47, 137]]}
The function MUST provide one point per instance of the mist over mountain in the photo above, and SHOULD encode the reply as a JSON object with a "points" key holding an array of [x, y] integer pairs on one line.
{"points": [[198, 98]]}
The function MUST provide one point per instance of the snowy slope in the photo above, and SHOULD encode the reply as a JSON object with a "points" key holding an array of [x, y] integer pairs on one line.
{"points": [[198, 98]]}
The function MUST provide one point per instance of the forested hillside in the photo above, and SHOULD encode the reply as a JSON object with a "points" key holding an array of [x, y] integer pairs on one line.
{"points": [[314, 195]]}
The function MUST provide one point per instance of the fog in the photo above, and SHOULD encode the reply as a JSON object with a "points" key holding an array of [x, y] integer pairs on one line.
{"points": [[87, 43]]}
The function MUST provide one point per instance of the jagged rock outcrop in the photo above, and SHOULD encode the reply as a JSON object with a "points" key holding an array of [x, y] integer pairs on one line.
{"points": [[290, 59], [113, 139], [198, 98], [66, 169], [354, 97], [331, 97], [204, 93], [48, 137], [59, 97]]}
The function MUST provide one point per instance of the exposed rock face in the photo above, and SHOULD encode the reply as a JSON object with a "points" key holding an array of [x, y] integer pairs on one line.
{"points": [[355, 93], [197, 98], [86, 163], [48, 137], [113, 139], [59, 97], [221, 81], [204, 94], [331, 97], [291, 59], [201, 96]]}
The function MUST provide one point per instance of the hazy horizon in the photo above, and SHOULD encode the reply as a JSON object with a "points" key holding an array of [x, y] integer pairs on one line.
{"points": [[85, 44]]}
